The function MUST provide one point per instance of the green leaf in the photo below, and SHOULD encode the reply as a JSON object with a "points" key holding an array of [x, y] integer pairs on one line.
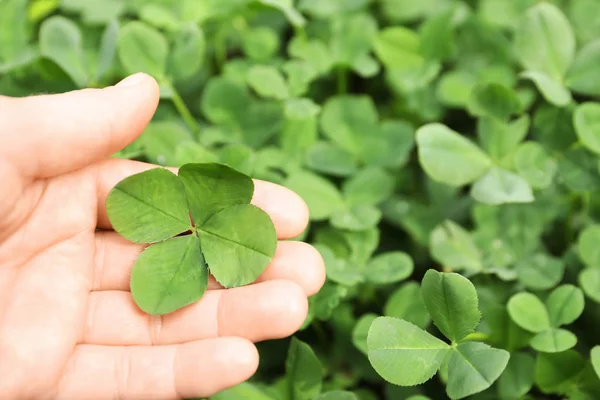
{"points": [[544, 41], [555, 372], [402, 353], [338, 395], [321, 196], [452, 302], [14, 30], [326, 158], [245, 390], [493, 100], [500, 139], [589, 280], [595, 357], [358, 218], [587, 245], [108, 49], [143, 49], [553, 341], [211, 188], [454, 247], [527, 311], [448, 157], [148, 207], [161, 139], [299, 75], [518, 377], [188, 52], [586, 120], [398, 47], [260, 43], [268, 82], [552, 90], [61, 42], [339, 270], [360, 332], [286, 7], [304, 371], [159, 16], [577, 169], [238, 253], [345, 119], [473, 367], [535, 165], [390, 267], [301, 108], [192, 152], [169, 275], [407, 303], [565, 304], [584, 75], [351, 37], [370, 186], [499, 186], [437, 36], [224, 101], [540, 271]]}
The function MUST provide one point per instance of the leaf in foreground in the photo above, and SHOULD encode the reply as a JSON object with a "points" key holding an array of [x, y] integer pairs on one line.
{"points": [[238, 252], [528, 312], [213, 187], [402, 353], [303, 370], [553, 341], [451, 300], [565, 304], [448, 157], [148, 207], [474, 367], [169, 275]]}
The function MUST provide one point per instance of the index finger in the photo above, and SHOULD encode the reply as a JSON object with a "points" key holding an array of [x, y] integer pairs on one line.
{"points": [[287, 210]]}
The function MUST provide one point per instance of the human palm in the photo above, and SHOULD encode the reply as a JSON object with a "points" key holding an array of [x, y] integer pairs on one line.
{"points": [[69, 328]]}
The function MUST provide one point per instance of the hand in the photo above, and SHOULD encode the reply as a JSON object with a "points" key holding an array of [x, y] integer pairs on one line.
{"points": [[69, 328]]}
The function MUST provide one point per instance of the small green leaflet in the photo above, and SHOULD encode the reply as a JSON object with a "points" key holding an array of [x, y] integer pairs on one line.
{"points": [[451, 300], [223, 233]]}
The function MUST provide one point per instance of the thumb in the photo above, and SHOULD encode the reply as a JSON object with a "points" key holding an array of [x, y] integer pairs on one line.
{"points": [[47, 135]]}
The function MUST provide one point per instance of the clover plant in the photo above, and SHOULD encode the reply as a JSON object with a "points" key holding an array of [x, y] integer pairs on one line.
{"points": [[197, 222], [459, 136]]}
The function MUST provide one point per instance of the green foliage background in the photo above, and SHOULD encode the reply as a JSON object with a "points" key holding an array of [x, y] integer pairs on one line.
{"points": [[461, 136]]}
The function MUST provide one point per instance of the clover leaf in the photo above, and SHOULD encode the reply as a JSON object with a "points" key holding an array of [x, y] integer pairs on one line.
{"points": [[198, 222], [563, 306], [406, 355]]}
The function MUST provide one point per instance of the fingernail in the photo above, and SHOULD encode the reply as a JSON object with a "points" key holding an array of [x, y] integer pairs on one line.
{"points": [[132, 80]]}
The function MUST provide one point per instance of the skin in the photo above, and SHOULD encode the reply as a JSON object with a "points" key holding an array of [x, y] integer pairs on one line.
{"points": [[69, 328]]}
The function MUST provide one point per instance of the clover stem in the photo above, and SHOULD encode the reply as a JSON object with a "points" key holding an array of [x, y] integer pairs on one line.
{"points": [[183, 110]]}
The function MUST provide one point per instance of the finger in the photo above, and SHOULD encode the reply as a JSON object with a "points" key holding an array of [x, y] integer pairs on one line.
{"points": [[54, 134], [294, 261], [191, 370], [267, 310], [287, 210]]}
